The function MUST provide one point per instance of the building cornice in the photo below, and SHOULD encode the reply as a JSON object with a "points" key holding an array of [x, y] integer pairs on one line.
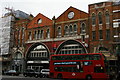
{"points": [[62, 22], [55, 39]]}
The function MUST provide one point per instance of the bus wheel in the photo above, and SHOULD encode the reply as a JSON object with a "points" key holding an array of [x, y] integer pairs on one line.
{"points": [[88, 77], [59, 76]]}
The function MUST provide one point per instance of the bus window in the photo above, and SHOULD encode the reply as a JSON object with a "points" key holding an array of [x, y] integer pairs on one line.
{"points": [[86, 63], [96, 57], [68, 69], [99, 69], [77, 57]]}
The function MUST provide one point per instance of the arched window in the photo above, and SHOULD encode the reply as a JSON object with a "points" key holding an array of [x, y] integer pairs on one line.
{"points": [[71, 29], [83, 27], [93, 19], [18, 55], [66, 30], [107, 16], [35, 35], [75, 28], [38, 34], [100, 18], [59, 32], [41, 34], [48, 33], [30, 35], [39, 21], [71, 47]]}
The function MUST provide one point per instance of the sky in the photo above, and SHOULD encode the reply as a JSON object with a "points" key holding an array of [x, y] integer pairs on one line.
{"points": [[48, 8]]}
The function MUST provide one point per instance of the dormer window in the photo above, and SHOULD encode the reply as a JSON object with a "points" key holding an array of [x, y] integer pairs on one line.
{"points": [[39, 21]]}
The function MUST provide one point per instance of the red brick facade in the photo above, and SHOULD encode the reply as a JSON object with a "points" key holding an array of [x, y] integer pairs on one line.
{"points": [[75, 30], [102, 34], [79, 18]]}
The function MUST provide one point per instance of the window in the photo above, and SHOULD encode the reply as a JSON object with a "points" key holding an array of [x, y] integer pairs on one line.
{"points": [[93, 19], [59, 32], [100, 34], [77, 68], [75, 28], [23, 30], [39, 21], [71, 29], [48, 33], [100, 18], [71, 49], [77, 57], [30, 36], [107, 17], [87, 63], [35, 35], [38, 34], [108, 34], [93, 35], [41, 34], [83, 28], [18, 55], [38, 51], [116, 24], [66, 30], [96, 57]]}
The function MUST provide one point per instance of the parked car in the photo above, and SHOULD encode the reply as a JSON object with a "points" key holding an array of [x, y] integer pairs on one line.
{"points": [[45, 73], [12, 72], [31, 73]]}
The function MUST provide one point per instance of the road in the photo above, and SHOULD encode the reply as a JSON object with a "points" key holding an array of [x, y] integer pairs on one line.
{"points": [[24, 78]]}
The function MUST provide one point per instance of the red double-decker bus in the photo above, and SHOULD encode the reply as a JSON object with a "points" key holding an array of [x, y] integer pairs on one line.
{"points": [[78, 66]]}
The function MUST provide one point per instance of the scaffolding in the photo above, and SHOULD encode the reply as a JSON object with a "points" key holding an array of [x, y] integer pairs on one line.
{"points": [[6, 23]]}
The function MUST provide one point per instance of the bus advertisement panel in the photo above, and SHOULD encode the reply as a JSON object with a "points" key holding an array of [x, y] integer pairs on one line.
{"points": [[78, 66]]}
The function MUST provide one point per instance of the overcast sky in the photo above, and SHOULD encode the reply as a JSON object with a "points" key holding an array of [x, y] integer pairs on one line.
{"points": [[49, 8]]}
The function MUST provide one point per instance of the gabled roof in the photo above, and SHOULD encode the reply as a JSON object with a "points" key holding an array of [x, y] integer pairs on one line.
{"points": [[45, 21], [78, 14]]}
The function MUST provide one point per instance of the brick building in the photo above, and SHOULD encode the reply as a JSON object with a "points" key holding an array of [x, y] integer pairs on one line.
{"points": [[38, 36], [73, 32], [116, 27], [67, 34], [20, 25], [103, 28]]}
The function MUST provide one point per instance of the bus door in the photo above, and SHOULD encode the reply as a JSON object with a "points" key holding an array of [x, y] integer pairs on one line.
{"points": [[88, 67], [78, 70]]}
